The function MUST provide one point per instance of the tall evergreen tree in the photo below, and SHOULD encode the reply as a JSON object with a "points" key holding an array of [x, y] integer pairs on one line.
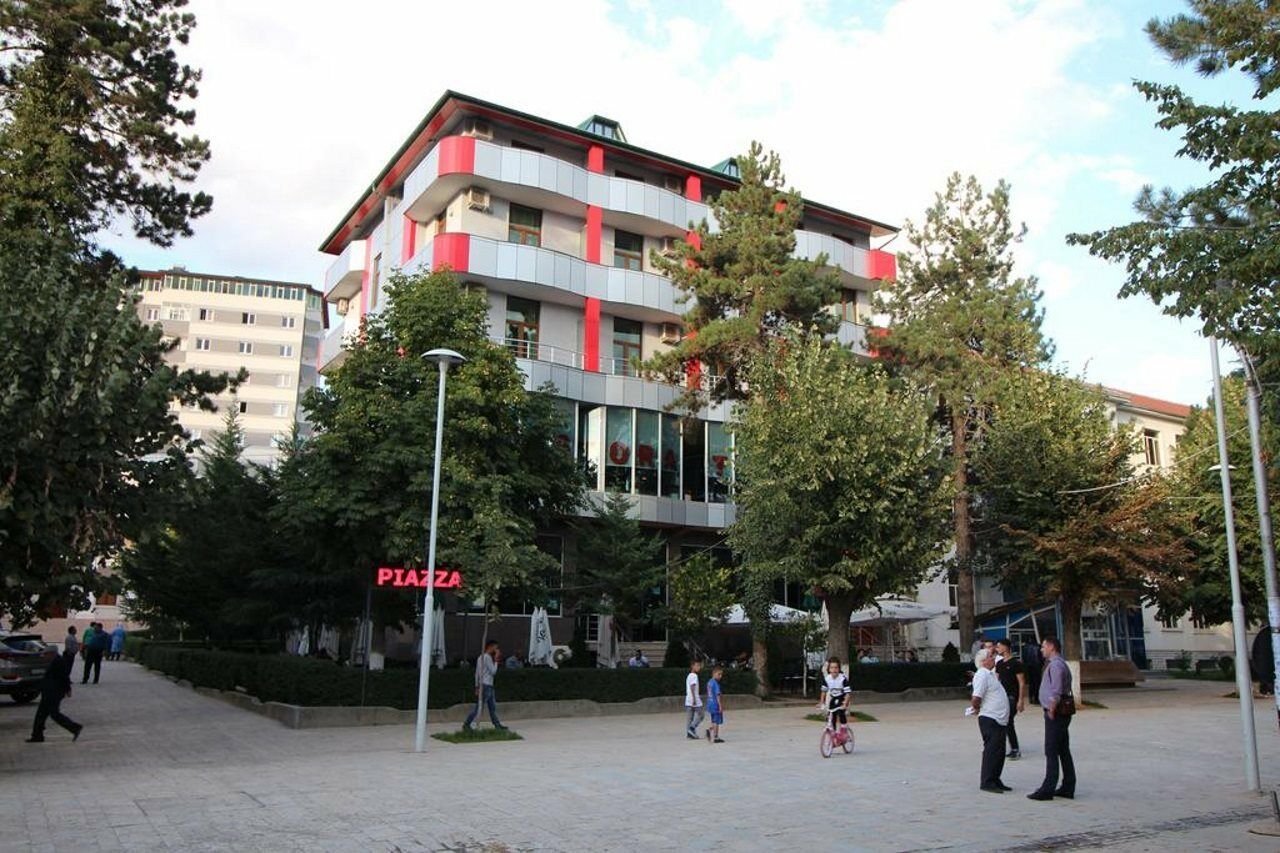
{"points": [[960, 322], [618, 564]]}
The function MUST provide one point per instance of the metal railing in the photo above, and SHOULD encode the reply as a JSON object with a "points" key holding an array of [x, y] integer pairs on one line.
{"points": [[539, 351]]}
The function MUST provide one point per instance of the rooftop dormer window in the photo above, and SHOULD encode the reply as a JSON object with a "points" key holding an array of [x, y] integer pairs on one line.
{"points": [[728, 167], [606, 127]]}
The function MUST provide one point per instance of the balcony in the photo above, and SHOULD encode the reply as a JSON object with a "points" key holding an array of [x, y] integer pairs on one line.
{"points": [[853, 336], [332, 350], [346, 274]]}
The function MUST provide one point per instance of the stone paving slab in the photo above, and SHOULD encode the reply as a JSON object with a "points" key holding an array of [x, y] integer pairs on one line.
{"points": [[160, 767]]}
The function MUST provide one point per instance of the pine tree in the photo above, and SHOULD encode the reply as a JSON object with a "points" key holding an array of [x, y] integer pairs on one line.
{"points": [[618, 564], [959, 322]]}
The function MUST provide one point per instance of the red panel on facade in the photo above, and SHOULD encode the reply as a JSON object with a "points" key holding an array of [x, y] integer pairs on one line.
{"points": [[875, 333], [591, 335], [882, 266], [452, 251], [693, 188], [408, 243], [457, 155], [595, 219], [595, 158]]}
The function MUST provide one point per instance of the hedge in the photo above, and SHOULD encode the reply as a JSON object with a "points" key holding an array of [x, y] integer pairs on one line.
{"points": [[308, 682], [896, 677]]}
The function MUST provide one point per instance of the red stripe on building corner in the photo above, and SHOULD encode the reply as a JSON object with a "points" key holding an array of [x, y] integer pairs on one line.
{"points": [[591, 335], [408, 245], [595, 159], [452, 251], [882, 266], [693, 188], [457, 156], [595, 219]]}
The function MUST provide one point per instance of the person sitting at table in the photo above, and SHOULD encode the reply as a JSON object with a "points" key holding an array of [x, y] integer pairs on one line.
{"points": [[638, 660]]}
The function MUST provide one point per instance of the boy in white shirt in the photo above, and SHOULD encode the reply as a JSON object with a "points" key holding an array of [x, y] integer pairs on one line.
{"points": [[693, 701]]}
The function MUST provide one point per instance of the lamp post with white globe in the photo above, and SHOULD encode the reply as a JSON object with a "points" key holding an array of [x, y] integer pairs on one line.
{"points": [[444, 358]]}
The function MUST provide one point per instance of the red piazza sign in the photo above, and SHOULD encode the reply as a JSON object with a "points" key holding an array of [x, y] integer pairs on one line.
{"points": [[396, 576]]}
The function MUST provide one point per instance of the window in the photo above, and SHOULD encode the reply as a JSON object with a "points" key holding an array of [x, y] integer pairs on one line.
{"points": [[286, 350], [284, 380], [373, 281], [246, 347], [177, 312], [288, 322], [525, 146], [439, 224], [243, 407], [206, 314], [669, 486], [849, 309], [626, 345], [647, 445], [719, 463], [153, 314], [524, 226], [248, 319], [695, 468], [590, 443], [953, 587], [628, 250], [281, 410], [522, 327], [617, 465], [202, 344], [1151, 446], [626, 175]]}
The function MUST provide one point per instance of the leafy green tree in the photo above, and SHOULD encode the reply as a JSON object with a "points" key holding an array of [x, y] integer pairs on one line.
{"points": [[1211, 252], [1062, 514], [92, 97], [618, 564], [1204, 588], [842, 480], [960, 322], [701, 594], [745, 287], [358, 493], [196, 571]]}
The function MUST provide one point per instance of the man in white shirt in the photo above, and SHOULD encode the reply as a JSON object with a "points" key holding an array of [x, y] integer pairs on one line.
{"points": [[693, 701], [991, 704]]}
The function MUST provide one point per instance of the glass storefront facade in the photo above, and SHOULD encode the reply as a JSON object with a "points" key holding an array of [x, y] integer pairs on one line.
{"points": [[642, 452]]}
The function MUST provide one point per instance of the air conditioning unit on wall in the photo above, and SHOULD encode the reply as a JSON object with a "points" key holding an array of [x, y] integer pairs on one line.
{"points": [[477, 198], [671, 333], [344, 305], [478, 128]]}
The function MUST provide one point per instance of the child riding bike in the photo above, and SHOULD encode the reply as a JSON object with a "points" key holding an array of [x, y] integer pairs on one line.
{"points": [[836, 692]]}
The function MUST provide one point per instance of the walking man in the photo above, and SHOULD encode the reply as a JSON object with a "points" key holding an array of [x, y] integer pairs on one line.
{"points": [[486, 669], [1059, 705], [71, 643], [55, 687], [1013, 678], [95, 646], [692, 701], [117, 642], [991, 704]]}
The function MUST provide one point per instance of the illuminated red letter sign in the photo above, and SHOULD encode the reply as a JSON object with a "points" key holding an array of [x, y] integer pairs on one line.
{"points": [[400, 577]]}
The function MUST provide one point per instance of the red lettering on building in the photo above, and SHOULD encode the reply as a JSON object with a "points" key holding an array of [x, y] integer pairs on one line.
{"points": [[619, 453], [399, 577]]}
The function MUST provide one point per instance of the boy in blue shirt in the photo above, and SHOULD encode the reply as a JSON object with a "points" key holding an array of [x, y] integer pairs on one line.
{"points": [[714, 708]]}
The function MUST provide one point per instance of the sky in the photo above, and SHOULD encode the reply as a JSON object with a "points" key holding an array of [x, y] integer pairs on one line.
{"points": [[869, 104]]}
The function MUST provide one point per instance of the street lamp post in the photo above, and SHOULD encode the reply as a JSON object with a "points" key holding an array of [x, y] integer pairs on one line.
{"points": [[1244, 686], [1252, 390], [444, 358]]}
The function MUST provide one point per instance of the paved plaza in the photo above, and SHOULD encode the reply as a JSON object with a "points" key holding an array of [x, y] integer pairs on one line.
{"points": [[160, 767]]}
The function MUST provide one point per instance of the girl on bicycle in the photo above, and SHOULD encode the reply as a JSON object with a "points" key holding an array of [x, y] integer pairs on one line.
{"points": [[836, 692]]}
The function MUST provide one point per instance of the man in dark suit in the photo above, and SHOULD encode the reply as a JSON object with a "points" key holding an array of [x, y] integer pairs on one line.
{"points": [[55, 687]]}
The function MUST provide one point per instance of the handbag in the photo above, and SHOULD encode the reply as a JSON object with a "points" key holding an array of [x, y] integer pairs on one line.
{"points": [[1066, 706]]}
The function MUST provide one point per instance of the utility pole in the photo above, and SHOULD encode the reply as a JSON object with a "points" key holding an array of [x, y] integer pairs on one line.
{"points": [[1263, 497]]}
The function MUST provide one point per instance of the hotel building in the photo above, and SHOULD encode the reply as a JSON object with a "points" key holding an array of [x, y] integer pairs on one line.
{"points": [[557, 224]]}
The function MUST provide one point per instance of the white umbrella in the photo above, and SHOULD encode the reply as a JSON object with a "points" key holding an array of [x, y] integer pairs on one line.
{"points": [[304, 645], [777, 613], [607, 644], [329, 641], [437, 638], [892, 611], [540, 638]]}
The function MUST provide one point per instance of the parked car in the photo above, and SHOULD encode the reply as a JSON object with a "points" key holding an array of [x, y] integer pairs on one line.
{"points": [[24, 659]]}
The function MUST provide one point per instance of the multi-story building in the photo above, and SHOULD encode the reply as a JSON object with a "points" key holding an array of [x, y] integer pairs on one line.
{"points": [[271, 329], [557, 223]]}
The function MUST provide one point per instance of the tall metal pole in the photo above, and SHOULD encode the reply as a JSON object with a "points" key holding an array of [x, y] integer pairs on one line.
{"points": [[1263, 498], [1244, 686], [428, 611]]}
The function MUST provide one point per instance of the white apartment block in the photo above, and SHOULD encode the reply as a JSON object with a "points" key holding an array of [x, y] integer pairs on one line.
{"points": [[224, 323]]}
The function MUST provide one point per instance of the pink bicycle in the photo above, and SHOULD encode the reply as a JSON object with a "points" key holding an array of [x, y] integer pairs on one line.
{"points": [[833, 736]]}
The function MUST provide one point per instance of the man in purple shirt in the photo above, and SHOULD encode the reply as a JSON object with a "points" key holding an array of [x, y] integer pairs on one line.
{"points": [[1054, 685]]}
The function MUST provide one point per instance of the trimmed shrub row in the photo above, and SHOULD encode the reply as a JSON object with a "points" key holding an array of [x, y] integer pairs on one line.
{"points": [[896, 677], [307, 682]]}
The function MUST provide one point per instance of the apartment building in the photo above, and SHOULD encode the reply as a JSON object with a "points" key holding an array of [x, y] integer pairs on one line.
{"points": [[272, 329], [557, 224]]}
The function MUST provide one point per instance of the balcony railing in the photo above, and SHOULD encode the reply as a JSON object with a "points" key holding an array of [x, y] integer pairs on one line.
{"points": [[613, 366], [343, 279]]}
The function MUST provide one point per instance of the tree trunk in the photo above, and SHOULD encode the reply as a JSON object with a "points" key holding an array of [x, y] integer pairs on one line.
{"points": [[1072, 648], [760, 655], [839, 608], [966, 607]]}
